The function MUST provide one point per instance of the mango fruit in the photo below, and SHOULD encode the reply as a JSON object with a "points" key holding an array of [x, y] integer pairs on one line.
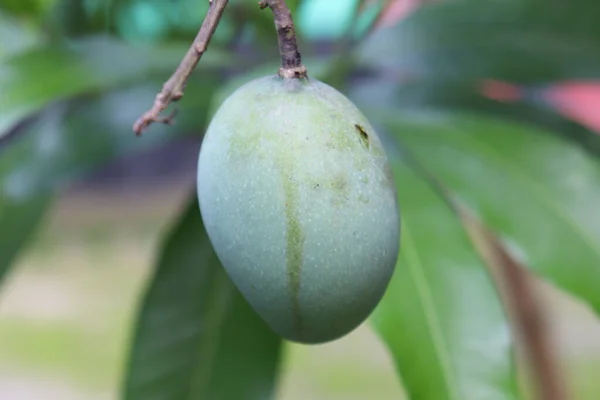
{"points": [[300, 206]]}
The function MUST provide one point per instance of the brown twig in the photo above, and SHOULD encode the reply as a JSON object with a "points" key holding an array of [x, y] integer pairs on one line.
{"points": [[516, 289], [291, 60], [172, 90]]}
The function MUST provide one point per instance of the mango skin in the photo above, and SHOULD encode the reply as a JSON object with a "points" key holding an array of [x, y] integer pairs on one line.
{"points": [[300, 205]]}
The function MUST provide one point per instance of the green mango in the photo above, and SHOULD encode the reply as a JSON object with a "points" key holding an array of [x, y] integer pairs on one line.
{"points": [[300, 205]]}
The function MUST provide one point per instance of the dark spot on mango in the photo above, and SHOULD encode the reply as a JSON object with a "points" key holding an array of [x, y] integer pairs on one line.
{"points": [[339, 183], [339, 186], [363, 135]]}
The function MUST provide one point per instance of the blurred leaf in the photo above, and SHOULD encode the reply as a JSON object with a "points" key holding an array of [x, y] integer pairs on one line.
{"points": [[326, 20], [157, 20], [196, 336], [19, 215], [18, 222], [516, 40], [73, 18], [31, 81], [465, 95], [160, 20], [439, 56], [515, 287], [441, 317], [538, 192], [74, 138], [334, 20], [21, 8], [256, 27], [15, 36]]}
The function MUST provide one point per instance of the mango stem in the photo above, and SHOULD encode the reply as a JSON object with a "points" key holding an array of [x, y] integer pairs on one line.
{"points": [[291, 60]]}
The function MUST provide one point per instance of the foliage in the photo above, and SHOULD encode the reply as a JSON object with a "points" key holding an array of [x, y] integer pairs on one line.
{"points": [[75, 74], [189, 345]]}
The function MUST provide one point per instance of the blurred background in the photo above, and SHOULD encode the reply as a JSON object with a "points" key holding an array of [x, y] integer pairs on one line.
{"points": [[69, 80]]}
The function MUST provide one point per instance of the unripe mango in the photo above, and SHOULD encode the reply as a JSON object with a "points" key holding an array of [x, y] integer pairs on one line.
{"points": [[300, 206]]}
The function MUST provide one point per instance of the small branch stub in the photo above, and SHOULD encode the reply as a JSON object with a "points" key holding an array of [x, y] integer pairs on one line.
{"points": [[172, 90], [291, 60]]}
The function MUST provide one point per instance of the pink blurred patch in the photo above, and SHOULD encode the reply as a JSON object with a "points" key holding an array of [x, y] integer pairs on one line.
{"points": [[579, 101], [501, 91], [576, 100], [397, 10]]}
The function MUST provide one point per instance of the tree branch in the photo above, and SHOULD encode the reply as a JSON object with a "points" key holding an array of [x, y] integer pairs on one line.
{"points": [[172, 90], [291, 60]]}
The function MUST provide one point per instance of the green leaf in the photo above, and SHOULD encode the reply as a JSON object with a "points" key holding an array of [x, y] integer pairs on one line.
{"points": [[23, 8], [326, 20], [538, 192], [439, 55], [441, 317], [19, 220], [196, 336], [159, 20], [31, 81], [516, 40], [74, 18], [15, 36], [74, 138], [70, 139], [19, 215], [465, 95]]}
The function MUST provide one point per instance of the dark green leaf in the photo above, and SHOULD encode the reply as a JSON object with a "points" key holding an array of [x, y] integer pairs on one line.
{"points": [[71, 139], [22, 8], [465, 95], [196, 336], [160, 20], [326, 20], [74, 138], [74, 18], [20, 214], [15, 36], [439, 56], [516, 40], [441, 317], [539, 192], [31, 81], [19, 220]]}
